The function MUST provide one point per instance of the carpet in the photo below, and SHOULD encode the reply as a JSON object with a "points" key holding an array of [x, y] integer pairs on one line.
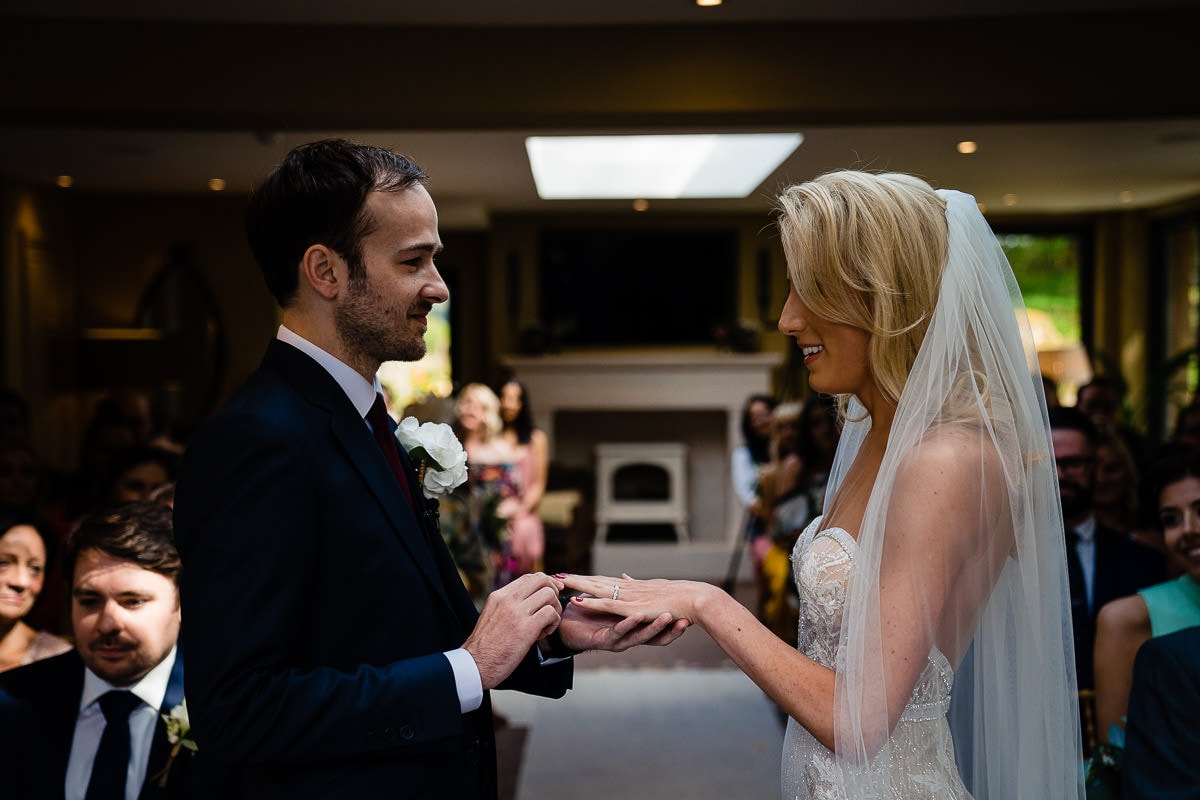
{"points": [[692, 734]]}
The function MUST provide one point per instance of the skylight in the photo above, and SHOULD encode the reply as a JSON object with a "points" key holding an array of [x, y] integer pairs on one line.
{"points": [[655, 166]]}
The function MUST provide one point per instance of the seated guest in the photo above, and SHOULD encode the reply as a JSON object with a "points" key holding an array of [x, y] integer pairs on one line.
{"points": [[1161, 737], [24, 558], [91, 721], [1103, 564], [1186, 431], [135, 473], [1102, 399], [1125, 624], [494, 480]]}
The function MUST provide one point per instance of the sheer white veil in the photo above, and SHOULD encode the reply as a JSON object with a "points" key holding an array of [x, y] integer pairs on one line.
{"points": [[975, 382]]}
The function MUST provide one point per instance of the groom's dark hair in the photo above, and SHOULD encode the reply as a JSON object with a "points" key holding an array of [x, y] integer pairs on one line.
{"points": [[317, 195]]}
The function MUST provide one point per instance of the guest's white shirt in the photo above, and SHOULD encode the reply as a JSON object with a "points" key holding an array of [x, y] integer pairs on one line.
{"points": [[362, 394], [90, 725], [744, 473], [1085, 546]]}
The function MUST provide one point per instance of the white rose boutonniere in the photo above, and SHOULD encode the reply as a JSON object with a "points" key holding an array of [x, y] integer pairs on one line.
{"points": [[179, 733], [439, 457]]}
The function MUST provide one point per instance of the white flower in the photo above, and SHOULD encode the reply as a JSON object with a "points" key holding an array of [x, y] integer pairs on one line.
{"points": [[179, 734], [179, 728], [439, 456]]}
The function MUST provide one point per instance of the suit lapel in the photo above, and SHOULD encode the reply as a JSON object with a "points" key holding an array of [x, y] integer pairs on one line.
{"points": [[61, 715], [160, 746], [359, 447]]}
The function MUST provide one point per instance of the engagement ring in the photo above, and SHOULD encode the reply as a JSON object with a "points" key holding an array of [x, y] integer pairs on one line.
{"points": [[616, 591]]}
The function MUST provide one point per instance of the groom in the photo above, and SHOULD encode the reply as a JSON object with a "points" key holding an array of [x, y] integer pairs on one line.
{"points": [[333, 651]]}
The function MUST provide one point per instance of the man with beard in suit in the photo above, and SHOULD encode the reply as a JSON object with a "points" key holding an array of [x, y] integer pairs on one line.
{"points": [[1103, 564], [88, 724], [333, 649]]}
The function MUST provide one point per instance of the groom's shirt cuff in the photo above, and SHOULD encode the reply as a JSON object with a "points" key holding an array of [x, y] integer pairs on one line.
{"points": [[466, 678]]}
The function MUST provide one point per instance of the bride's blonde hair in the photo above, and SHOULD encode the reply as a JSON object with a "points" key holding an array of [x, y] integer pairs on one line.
{"points": [[867, 250]]}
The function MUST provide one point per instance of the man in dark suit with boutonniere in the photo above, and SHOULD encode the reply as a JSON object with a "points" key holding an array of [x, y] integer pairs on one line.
{"points": [[333, 651], [89, 724]]}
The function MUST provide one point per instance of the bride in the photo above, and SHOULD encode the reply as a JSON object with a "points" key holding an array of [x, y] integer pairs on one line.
{"points": [[935, 653]]}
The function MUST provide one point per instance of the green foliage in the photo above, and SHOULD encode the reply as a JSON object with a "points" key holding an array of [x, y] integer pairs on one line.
{"points": [[1047, 270]]}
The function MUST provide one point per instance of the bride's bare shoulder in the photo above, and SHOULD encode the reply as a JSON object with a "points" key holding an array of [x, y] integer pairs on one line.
{"points": [[949, 456]]}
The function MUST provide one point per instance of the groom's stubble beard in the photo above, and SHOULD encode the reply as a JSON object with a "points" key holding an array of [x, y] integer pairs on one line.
{"points": [[372, 330]]}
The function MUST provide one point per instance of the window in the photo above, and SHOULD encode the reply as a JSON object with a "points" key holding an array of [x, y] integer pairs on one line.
{"points": [[1047, 268], [407, 382]]}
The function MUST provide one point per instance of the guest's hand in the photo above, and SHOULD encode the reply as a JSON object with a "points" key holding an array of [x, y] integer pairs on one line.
{"points": [[513, 618], [582, 629]]}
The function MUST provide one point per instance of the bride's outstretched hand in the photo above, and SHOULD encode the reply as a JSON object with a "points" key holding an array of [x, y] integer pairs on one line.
{"points": [[626, 595]]}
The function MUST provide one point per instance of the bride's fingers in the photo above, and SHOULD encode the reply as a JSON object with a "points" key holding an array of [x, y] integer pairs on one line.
{"points": [[599, 586]]}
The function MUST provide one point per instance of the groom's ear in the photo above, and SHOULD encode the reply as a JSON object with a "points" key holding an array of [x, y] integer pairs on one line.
{"points": [[322, 270]]}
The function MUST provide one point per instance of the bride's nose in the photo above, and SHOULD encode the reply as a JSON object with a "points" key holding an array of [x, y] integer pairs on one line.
{"points": [[791, 318]]}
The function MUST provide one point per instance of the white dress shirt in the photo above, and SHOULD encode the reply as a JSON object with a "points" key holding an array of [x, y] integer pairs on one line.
{"points": [[90, 725], [362, 394]]}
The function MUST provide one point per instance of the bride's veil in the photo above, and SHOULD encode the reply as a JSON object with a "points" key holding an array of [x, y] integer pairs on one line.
{"points": [[975, 385]]}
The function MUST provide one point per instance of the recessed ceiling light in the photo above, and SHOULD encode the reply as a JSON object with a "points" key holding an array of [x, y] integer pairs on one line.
{"points": [[966, 148], [216, 184], [64, 181], [707, 3], [655, 166], [641, 204], [1009, 199]]}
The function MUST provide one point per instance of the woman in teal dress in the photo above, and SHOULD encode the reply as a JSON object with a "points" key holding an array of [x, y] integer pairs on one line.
{"points": [[1124, 625]]}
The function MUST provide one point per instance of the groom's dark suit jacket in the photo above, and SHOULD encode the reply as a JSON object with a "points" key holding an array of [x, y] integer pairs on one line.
{"points": [[1162, 739], [39, 704], [317, 607]]}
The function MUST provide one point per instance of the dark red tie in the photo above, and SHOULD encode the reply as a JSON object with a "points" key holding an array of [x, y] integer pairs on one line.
{"points": [[380, 425]]}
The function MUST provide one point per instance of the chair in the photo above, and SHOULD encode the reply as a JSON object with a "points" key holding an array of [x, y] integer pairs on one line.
{"points": [[1087, 720]]}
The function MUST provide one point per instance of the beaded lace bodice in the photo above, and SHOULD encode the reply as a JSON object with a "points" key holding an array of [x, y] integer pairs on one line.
{"points": [[922, 755]]}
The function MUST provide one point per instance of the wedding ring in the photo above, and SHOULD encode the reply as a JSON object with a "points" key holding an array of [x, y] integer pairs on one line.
{"points": [[616, 591]]}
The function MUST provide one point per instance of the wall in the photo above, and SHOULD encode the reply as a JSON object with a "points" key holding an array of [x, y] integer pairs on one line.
{"points": [[72, 261]]}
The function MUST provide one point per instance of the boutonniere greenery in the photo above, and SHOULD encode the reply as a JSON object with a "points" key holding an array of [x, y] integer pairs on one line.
{"points": [[179, 734], [437, 454]]}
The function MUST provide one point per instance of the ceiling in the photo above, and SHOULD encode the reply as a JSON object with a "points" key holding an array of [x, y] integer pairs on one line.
{"points": [[1076, 105]]}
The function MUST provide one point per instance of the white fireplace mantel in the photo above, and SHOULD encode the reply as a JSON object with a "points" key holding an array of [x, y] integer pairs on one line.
{"points": [[656, 381]]}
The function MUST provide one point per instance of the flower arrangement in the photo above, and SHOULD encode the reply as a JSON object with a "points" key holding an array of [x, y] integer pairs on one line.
{"points": [[439, 457], [179, 731]]}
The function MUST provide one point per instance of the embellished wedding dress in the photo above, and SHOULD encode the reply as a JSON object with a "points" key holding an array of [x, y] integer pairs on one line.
{"points": [[970, 423], [922, 762]]}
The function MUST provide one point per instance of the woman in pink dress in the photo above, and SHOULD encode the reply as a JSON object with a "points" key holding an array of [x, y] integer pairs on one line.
{"points": [[527, 533]]}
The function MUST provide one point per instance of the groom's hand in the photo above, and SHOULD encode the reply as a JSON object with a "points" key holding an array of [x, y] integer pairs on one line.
{"points": [[589, 630], [513, 618]]}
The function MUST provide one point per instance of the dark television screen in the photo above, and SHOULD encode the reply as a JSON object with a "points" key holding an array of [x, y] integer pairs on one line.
{"points": [[637, 287]]}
